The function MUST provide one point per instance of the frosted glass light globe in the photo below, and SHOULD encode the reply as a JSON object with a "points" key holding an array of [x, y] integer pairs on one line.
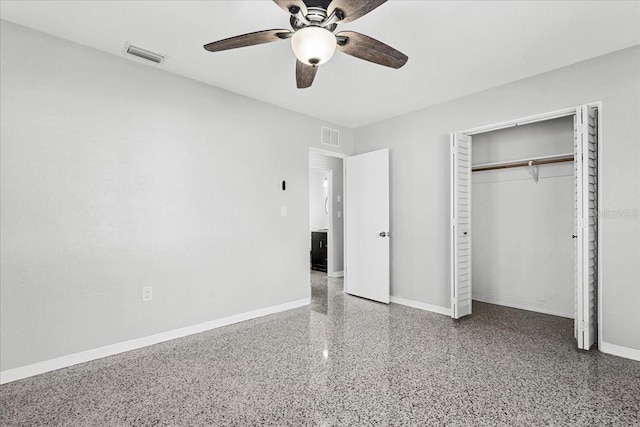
{"points": [[313, 45]]}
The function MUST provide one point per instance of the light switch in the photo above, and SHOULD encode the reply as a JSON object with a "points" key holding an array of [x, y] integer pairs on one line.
{"points": [[283, 210], [339, 197], [339, 214]]}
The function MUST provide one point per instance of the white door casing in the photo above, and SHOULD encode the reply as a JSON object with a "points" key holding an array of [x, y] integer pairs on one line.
{"points": [[460, 225], [367, 225]]}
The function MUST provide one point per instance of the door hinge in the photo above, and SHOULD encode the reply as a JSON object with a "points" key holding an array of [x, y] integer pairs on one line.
{"points": [[582, 326]]}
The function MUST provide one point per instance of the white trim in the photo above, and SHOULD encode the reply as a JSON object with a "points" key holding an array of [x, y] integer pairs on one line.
{"points": [[345, 242], [328, 152], [519, 305], [15, 374], [618, 350], [598, 105], [336, 274], [421, 305], [332, 230]]}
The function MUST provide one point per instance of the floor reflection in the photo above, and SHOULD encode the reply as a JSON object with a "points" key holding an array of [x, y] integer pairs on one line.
{"points": [[377, 364]]}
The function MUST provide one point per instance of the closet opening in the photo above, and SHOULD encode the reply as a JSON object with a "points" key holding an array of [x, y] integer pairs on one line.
{"points": [[524, 229]]}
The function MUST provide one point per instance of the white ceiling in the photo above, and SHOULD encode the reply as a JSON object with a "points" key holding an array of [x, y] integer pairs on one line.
{"points": [[454, 48]]}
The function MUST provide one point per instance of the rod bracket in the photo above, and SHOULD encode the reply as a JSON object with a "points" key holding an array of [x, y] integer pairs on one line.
{"points": [[534, 171]]}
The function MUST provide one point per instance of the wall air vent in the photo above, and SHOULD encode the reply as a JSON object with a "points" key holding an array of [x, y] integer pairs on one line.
{"points": [[329, 136], [144, 53]]}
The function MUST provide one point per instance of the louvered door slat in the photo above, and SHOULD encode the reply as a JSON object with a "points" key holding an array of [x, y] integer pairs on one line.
{"points": [[460, 225], [586, 249]]}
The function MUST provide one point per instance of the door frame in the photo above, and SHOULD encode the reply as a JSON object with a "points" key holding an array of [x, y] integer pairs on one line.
{"points": [[330, 213], [328, 153], [570, 111]]}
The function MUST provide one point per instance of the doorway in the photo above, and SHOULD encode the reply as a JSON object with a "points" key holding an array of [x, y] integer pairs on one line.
{"points": [[320, 216], [358, 238], [582, 182], [326, 227], [326, 212]]}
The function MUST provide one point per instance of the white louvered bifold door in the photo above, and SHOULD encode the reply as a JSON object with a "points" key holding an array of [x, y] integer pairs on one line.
{"points": [[586, 247], [460, 225]]}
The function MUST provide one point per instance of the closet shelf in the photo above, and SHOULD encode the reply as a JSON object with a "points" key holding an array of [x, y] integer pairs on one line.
{"points": [[558, 158]]}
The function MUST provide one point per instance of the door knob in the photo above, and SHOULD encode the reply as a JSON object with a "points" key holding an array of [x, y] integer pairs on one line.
{"points": [[382, 234], [573, 236]]}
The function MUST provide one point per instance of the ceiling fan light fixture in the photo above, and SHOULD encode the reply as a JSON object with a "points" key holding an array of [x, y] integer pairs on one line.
{"points": [[313, 45], [313, 41]]}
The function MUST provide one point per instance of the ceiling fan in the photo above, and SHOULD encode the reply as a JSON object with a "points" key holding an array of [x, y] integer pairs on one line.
{"points": [[314, 40]]}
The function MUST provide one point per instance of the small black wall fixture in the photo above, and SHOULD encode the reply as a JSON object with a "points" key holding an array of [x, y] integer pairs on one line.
{"points": [[284, 185]]}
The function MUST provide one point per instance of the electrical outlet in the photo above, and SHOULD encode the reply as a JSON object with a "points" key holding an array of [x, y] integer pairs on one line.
{"points": [[283, 210], [147, 293]]}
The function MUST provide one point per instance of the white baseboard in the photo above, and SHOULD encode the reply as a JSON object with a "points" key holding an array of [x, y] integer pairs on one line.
{"points": [[15, 374], [519, 305], [422, 306], [618, 350], [337, 274]]}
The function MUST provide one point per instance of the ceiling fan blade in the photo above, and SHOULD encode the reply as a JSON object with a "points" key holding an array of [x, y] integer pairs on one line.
{"points": [[305, 74], [292, 6], [353, 9], [259, 37], [372, 50]]}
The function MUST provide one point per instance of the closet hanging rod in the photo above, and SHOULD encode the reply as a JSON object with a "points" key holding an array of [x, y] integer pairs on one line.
{"points": [[521, 163]]}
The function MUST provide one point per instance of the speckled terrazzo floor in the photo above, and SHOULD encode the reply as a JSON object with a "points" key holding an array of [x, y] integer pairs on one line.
{"points": [[349, 362]]}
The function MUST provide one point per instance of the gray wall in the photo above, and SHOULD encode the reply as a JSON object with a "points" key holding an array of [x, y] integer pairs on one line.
{"points": [[115, 176], [419, 144], [546, 138], [523, 253]]}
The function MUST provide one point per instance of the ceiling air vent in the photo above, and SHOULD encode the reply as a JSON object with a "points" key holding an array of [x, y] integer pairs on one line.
{"points": [[144, 53], [329, 136]]}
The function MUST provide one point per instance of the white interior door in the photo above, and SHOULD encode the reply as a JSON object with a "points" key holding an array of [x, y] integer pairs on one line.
{"points": [[586, 245], [367, 225], [460, 225]]}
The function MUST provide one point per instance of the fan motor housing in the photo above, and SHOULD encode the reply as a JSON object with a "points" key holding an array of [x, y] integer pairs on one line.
{"points": [[316, 16]]}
